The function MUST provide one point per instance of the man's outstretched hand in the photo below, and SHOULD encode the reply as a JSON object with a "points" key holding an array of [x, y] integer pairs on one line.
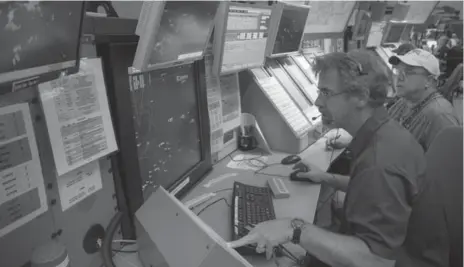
{"points": [[267, 235]]}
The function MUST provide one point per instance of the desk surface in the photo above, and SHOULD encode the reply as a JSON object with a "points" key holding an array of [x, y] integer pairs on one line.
{"points": [[301, 203]]}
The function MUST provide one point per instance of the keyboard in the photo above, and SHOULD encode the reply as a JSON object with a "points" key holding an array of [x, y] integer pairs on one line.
{"points": [[251, 205]]}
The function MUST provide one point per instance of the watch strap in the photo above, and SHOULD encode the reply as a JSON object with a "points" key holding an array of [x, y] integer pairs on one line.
{"points": [[296, 235]]}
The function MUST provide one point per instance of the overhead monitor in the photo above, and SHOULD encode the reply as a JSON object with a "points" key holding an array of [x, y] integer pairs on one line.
{"points": [[39, 40], [240, 37], [175, 31], [362, 26], [171, 235], [419, 11], [168, 125], [290, 29], [406, 35], [394, 32], [327, 18]]}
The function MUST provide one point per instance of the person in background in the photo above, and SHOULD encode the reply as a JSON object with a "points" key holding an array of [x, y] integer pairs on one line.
{"points": [[454, 57], [421, 109], [443, 45], [388, 167], [454, 41]]}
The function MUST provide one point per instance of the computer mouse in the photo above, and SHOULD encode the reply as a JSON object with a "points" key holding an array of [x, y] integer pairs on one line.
{"points": [[292, 159]]}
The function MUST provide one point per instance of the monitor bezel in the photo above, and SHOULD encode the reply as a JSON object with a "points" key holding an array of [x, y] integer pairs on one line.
{"points": [[220, 35], [277, 16], [195, 173], [171, 63], [328, 35], [359, 19], [388, 30], [128, 181], [44, 75]]}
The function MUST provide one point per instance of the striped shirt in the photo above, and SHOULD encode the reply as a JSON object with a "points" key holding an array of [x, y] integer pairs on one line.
{"points": [[424, 125]]}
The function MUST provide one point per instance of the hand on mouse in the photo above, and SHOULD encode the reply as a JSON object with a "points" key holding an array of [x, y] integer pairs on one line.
{"points": [[313, 173]]}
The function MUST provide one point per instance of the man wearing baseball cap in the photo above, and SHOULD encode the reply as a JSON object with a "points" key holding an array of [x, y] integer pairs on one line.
{"points": [[421, 108]]}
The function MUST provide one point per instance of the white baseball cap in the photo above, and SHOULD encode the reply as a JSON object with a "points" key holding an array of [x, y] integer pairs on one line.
{"points": [[418, 58]]}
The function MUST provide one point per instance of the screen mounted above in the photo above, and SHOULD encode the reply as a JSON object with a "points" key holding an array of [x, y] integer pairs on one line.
{"points": [[394, 33], [38, 38], [241, 38], [419, 11], [291, 28], [184, 31], [328, 16]]}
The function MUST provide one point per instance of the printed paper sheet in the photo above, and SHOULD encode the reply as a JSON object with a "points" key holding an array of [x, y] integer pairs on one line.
{"points": [[78, 184], [214, 106], [78, 117], [224, 109], [247, 162], [22, 189]]}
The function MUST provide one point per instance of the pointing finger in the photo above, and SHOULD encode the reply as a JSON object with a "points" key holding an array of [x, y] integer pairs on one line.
{"points": [[246, 240]]}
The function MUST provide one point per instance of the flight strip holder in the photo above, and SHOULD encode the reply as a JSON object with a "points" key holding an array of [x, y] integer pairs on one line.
{"points": [[282, 123]]}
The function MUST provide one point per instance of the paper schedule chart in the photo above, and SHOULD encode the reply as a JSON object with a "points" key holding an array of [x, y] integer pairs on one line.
{"points": [[22, 189]]}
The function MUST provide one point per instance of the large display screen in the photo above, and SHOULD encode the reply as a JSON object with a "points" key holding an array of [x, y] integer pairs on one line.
{"points": [[395, 32], [38, 37], [184, 31], [291, 28], [246, 34], [166, 122], [328, 16]]}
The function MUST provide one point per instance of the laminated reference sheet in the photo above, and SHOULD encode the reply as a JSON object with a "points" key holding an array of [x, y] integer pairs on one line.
{"points": [[22, 194], [78, 117], [78, 184]]}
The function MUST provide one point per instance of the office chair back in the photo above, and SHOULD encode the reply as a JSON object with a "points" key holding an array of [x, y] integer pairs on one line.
{"points": [[444, 167], [434, 236]]}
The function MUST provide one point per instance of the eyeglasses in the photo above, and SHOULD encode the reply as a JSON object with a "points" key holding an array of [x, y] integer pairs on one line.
{"points": [[326, 94]]}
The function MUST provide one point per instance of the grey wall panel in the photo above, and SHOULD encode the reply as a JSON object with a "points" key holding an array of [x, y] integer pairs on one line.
{"points": [[98, 208]]}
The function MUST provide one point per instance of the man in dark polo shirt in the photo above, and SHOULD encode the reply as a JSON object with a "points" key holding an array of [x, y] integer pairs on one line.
{"points": [[387, 172]]}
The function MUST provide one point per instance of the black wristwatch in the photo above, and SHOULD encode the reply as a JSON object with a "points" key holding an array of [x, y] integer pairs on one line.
{"points": [[297, 225]]}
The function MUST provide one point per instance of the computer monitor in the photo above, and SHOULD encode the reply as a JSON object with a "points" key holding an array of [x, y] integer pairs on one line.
{"points": [[161, 124], [171, 235], [362, 26], [419, 11], [406, 35], [39, 40], [287, 38], [167, 125], [179, 33], [394, 32], [240, 37], [328, 19]]}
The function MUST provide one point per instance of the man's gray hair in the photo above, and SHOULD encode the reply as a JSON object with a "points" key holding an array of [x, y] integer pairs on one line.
{"points": [[360, 73]]}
